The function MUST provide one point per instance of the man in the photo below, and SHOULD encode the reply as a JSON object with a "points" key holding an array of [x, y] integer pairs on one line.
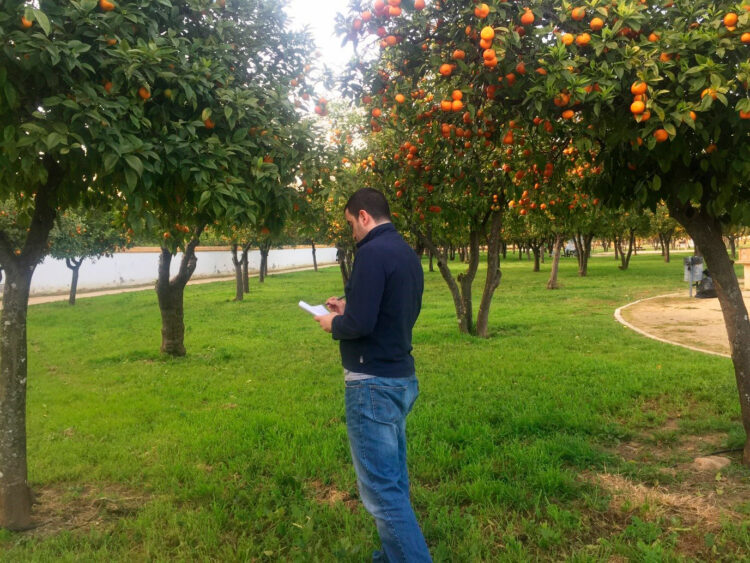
{"points": [[374, 327]]}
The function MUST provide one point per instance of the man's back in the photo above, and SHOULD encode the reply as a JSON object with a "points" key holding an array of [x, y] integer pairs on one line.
{"points": [[383, 301]]}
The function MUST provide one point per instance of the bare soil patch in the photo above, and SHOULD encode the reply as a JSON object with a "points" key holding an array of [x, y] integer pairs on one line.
{"points": [[330, 495], [683, 320], [58, 508], [687, 502]]}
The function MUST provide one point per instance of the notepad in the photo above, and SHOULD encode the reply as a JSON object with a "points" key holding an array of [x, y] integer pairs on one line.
{"points": [[316, 310]]}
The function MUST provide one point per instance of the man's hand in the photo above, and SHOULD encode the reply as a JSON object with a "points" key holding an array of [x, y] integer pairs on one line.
{"points": [[325, 321], [336, 305]]}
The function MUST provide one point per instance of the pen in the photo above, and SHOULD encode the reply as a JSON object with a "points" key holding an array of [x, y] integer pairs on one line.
{"points": [[341, 297]]}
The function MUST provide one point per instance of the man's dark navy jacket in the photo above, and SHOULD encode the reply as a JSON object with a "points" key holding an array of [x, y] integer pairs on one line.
{"points": [[383, 299]]}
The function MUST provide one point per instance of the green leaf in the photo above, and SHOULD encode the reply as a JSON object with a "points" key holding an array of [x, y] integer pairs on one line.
{"points": [[206, 114], [43, 20], [110, 159], [131, 178], [670, 128], [135, 163], [54, 139], [88, 5], [656, 183]]}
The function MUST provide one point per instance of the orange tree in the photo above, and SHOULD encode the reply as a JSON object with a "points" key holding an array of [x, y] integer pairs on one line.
{"points": [[661, 90], [445, 90], [79, 234], [155, 105]]}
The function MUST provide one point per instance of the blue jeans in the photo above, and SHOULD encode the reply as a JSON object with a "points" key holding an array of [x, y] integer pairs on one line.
{"points": [[376, 412]]}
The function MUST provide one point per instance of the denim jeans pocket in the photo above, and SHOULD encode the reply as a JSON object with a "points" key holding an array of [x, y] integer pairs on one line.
{"points": [[387, 403]]}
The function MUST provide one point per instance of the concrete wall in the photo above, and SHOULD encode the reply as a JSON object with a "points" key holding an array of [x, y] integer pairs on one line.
{"points": [[139, 267]]}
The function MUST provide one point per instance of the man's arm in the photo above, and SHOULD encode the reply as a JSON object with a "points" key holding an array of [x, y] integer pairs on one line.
{"points": [[366, 289]]}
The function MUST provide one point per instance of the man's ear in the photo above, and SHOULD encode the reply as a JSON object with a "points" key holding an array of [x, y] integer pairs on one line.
{"points": [[363, 215]]}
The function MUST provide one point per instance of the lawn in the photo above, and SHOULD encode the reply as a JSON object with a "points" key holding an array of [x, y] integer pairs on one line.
{"points": [[564, 436]]}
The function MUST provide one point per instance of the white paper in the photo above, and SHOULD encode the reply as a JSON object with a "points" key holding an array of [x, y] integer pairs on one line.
{"points": [[314, 309]]}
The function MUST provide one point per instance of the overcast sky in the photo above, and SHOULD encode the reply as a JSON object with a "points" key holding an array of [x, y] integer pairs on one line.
{"points": [[319, 16]]}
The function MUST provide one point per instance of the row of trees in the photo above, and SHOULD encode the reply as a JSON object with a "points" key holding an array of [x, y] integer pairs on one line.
{"points": [[481, 113], [176, 116]]}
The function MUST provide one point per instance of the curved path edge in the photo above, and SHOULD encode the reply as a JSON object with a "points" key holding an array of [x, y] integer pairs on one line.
{"points": [[622, 321]]}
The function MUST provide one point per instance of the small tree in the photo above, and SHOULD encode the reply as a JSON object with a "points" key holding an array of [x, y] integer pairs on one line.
{"points": [[80, 234]]}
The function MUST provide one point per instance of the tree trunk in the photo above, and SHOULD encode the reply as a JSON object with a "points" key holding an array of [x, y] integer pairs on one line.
{"points": [[315, 257], [706, 233], [264, 248], [625, 258], [505, 250], [15, 495], [171, 292], [494, 274], [246, 267], [536, 249], [454, 286], [75, 266], [552, 283], [583, 250], [239, 293], [341, 252]]}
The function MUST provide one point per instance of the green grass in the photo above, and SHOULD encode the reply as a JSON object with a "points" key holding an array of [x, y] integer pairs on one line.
{"points": [[231, 446]]}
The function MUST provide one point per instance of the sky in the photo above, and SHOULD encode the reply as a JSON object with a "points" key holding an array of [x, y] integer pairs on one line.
{"points": [[319, 16]]}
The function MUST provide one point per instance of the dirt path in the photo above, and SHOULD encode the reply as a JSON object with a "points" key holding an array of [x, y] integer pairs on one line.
{"points": [[681, 320]]}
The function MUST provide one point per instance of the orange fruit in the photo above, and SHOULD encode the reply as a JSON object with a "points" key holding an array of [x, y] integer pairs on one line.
{"points": [[693, 116], [489, 54], [528, 17], [661, 135], [26, 24], [665, 57], [391, 40], [637, 108], [106, 5], [730, 20], [578, 13], [638, 88], [377, 112], [446, 105], [485, 44], [541, 71], [482, 11], [210, 125], [567, 38], [419, 5], [459, 55], [653, 37], [446, 69], [745, 38], [645, 116], [711, 148], [457, 105], [521, 68], [744, 114], [144, 93], [457, 95], [488, 34], [400, 98], [596, 24], [562, 99], [490, 63], [583, 39], [568, 114], [108, 86], [709, 92]]}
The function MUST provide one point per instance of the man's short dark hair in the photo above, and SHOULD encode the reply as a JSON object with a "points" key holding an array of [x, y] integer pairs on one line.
{"points": [[370, 200]]}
